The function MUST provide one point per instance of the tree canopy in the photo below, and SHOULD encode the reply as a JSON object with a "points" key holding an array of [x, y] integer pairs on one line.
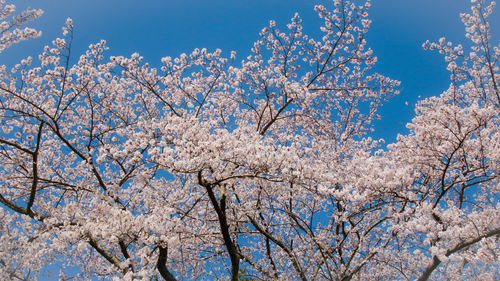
{"points": [[207, 168]]}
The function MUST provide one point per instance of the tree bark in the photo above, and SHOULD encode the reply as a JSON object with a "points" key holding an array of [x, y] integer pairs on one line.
{"points": [[161, 265]]}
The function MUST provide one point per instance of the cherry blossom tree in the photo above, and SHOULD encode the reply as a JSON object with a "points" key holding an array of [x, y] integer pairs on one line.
{"points": [[443, 177], [10, 25], [264, 169]]}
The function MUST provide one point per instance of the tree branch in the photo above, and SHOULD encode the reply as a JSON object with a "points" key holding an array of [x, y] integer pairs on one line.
{"points": [[435, 260], [220, 209], [161, 265], [35, 170]]}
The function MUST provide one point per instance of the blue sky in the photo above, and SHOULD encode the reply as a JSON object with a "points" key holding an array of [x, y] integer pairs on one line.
{"points": [[157, 28]]}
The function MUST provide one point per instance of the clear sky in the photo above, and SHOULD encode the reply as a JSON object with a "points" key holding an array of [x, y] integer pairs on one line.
{"points": [[157, 28]]}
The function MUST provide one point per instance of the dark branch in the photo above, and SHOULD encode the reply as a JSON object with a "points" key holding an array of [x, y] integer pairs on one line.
{"points": [[161, 265], [435, 260]]}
